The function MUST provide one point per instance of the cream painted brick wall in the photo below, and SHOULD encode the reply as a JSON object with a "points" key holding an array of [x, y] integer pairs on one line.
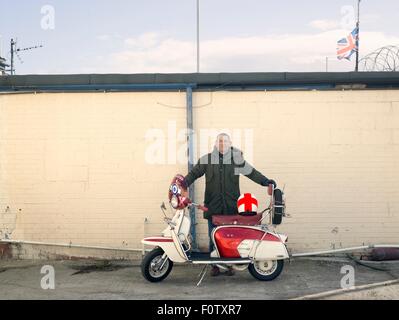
{"points": [[73, 169], [335, 151], [73, 166]]}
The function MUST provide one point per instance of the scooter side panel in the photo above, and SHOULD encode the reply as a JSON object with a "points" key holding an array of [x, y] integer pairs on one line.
{"points": [[229, 238], [270, 250]]}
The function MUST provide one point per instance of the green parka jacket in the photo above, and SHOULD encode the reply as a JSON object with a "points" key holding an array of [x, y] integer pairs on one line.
{"points": [[222, 172]]}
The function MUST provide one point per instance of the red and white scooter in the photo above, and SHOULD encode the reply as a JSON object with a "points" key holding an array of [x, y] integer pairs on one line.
{"points": [[241, 241]]}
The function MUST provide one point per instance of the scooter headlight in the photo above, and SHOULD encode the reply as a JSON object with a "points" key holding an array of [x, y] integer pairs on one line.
{"points": [[174, 202], [175, 189]]}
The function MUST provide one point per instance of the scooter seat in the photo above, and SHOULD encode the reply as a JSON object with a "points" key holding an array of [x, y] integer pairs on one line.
{"points": [[220, 220]]}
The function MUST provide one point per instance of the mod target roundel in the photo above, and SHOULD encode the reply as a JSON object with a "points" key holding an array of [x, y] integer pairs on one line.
{"points": [[175, 189]]}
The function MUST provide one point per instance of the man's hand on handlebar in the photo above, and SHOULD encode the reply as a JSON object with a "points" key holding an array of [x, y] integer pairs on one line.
{"points": [[203, 208], [199, 206], [269, 182]]}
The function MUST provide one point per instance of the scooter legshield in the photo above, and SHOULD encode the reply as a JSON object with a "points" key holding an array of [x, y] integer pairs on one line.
{"points": [[167, 245]]}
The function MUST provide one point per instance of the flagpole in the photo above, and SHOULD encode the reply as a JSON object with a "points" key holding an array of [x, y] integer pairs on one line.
{"points": [[198, 36], [358, 36]]}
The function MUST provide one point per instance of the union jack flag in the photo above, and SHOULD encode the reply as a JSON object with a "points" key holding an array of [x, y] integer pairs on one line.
{"points": [[349, 45]]}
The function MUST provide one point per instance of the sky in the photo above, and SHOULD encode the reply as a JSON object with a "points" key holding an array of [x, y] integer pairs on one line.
{"points": [[158, 36]]}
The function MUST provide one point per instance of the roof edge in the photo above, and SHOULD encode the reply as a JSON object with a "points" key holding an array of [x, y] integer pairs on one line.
{"points": [[204, 80]]}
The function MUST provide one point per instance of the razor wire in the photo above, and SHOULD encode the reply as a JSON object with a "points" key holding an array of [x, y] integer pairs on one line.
{"points": [[383, 59]]}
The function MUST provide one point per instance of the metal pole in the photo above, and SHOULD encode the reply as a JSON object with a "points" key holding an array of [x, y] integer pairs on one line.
{"points": [[326, 64], [198, 36], [68, 245], [358, 36], [12, 56], [190, 154], [347, 290], [349, 249]]}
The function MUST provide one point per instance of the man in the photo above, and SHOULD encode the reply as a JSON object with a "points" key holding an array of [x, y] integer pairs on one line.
{"points": [[222, 168]]}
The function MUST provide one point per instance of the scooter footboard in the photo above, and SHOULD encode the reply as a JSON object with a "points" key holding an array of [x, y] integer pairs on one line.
{"points": [[263, 250], [167, 245]]}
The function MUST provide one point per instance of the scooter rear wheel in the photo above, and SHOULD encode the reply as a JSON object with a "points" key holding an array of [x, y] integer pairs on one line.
{"points": [[266, 270], [150, 266]]}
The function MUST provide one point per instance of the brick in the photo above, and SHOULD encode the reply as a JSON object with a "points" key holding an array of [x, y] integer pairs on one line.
{"points": [[387, 121], [376, 136], [396, 136], [345, 136]]}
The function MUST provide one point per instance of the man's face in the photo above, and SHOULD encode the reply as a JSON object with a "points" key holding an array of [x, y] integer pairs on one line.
{"points": [[223, 144]]}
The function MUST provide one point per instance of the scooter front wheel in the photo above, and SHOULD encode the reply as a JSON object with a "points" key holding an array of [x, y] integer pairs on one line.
{"points": [[266, 270], [154, 267]]}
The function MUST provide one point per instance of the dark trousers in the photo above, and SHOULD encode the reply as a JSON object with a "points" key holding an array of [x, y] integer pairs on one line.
{"points": [[211, 226]]}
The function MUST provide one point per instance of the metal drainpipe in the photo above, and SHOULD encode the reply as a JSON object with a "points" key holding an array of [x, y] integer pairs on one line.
{"points": [[68, 245], [190, 154], [349, 249]]}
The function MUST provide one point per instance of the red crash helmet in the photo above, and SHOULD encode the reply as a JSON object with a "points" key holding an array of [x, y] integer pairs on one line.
{"points": [[247, 205], [178, 192]]}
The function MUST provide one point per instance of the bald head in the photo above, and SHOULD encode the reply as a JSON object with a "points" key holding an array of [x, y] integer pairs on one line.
{"points": [[223, 143]]}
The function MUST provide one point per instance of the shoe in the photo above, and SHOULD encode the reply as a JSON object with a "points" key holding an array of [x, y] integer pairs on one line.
{"points": [[215, 271], [230, 272]]}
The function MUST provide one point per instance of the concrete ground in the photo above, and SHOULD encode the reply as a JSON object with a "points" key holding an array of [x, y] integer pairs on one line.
{"points": [[123, 280], [389, 292]]}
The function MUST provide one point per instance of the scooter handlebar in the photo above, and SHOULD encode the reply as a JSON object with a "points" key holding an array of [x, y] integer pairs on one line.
{"points": [[199, 206], [203, 208], [270, 189]]}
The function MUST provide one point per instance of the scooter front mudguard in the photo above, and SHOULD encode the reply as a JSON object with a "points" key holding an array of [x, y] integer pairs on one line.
{"points": [[167, 245]]}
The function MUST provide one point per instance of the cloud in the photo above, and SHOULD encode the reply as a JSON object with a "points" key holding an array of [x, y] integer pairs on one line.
{"points": [[154, 52], [325, 24], [347, 22], [151, 53], [370, 18], [144, 41]]}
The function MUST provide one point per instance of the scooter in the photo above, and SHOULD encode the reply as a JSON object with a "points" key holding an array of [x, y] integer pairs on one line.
{"points": [[240, 241]]}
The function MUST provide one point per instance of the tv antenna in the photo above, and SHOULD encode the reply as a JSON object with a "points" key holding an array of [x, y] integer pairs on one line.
{"points": [[15, 52]]}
